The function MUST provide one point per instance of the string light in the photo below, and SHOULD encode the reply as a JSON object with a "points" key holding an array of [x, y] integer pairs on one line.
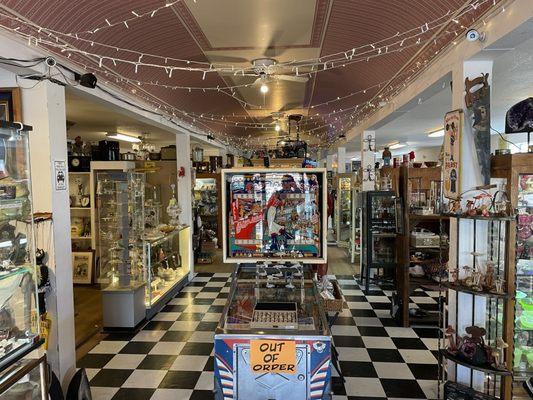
{"points": [[205, 66]]}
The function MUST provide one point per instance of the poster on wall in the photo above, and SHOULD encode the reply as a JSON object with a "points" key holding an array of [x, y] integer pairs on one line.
{"points": [[453, 129], [477, 100]]}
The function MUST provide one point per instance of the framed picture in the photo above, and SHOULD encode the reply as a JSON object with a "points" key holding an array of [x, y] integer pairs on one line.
{"points": [[10, 105], [82, 267], [453, 131]]}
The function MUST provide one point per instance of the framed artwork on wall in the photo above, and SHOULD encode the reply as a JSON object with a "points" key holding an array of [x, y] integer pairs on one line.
{"points": [[10, 105], [82, 267], [453, 130]]}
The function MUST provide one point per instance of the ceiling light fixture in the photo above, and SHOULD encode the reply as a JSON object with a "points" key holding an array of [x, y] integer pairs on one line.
{"points": [[264, 88], [125, 138], [437, 133], [277, 128], [396, 146]]}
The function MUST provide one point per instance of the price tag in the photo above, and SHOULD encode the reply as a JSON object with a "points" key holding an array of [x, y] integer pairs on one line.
{"points": [[274, 356]]}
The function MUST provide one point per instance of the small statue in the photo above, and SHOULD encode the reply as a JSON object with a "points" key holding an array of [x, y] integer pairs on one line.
{"points": [[449, 334], [476, 281], [455, 206], [498, 354], [488, 283], [467, 277], [455, 276], [499, 284], [470, 208]]}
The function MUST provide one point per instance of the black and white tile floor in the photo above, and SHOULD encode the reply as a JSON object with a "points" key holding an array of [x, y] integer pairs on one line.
{"points": [[172, 356]]}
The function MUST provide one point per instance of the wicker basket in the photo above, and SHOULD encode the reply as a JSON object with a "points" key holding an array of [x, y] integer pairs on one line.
{"points": [[337, 304]]}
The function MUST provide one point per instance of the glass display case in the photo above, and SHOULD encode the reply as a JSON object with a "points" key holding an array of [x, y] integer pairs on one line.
{"points": [[165, 268], [18, 294], [120, 227], [26, 379], [273, 309], [523, 353], [381, 223], [274, 213], [344, 209]]}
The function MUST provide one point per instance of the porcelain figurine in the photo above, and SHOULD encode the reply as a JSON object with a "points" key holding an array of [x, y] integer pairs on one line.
{"points": [[498, 354], [449, 334]]}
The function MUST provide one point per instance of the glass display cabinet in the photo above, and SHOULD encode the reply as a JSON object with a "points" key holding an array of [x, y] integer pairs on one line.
{"points": [[26, 379], [18, 293], [344, 209], [274, 214], [514, 173], [381, 224], [166, 267], [273, 310], [120, 228]]}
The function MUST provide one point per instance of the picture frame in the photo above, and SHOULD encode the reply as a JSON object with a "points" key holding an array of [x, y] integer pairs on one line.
{"points": [[10, 104], [82, 267]]}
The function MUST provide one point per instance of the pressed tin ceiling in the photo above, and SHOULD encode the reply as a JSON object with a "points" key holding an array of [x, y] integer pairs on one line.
{"points": [[234, 32]]}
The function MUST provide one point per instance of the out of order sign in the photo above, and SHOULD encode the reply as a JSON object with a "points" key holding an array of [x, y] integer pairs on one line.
{"points": [[274, 356]]}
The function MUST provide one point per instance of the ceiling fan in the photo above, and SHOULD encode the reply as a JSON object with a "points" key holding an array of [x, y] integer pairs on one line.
{"points": [[265, 71]]}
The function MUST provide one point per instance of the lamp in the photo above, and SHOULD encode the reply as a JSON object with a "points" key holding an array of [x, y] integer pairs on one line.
{"points": [[125, 138], [437, 133], [264, 88]]}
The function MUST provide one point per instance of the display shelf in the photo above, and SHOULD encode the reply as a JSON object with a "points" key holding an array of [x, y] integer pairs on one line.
{"points": [[20, 352], [487, 369], [431, 217], [16, 271], [81, 208], [466, 289], [81, 237], [481, 217], [24, 372], [343, 209]]}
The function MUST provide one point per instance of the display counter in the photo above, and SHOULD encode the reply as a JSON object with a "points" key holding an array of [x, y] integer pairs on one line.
{"points": [[273, 340]]}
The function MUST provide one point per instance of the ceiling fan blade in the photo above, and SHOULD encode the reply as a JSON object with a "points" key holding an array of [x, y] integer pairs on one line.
{"points": [[232, 73], [257, 81], [292, 78], [271, 50], [219, 58]]}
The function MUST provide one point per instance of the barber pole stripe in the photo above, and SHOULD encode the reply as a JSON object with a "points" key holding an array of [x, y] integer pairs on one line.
{"points": [[318, 380], [226, 379]]}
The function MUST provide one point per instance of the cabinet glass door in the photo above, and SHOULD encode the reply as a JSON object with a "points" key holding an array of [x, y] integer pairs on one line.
{"points": [[523, 357]]}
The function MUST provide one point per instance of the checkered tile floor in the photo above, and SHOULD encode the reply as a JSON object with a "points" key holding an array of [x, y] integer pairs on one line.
{"points": [[172, 356]]}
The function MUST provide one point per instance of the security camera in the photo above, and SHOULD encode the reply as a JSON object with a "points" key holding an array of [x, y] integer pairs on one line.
{"points": [[50, 61], [473, 35]]}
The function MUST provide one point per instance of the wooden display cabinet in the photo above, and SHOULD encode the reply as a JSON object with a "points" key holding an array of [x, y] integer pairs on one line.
{"points": [[511, 167], [404, 182]]}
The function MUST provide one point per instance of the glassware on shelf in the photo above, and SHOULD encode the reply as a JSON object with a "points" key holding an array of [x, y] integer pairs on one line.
{"points": [[173, 208], [120, 227]]}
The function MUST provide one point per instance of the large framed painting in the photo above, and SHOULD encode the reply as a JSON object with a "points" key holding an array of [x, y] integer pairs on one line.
{"points": [[453, 131], [10, 105], [82, 267]]}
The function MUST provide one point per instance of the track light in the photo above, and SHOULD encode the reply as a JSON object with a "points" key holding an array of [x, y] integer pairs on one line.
{"points": [[264, 88], [396, 146]]}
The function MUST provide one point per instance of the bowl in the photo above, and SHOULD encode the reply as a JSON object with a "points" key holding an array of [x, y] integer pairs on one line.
{"points": [[431, 164]]}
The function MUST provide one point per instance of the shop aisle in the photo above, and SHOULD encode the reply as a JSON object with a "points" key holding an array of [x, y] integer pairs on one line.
{"points": [[172, 357]]}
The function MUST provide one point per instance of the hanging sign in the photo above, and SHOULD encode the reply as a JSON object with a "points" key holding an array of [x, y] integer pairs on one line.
{"points": [[453, 130], [275, 356], [60, 175]]}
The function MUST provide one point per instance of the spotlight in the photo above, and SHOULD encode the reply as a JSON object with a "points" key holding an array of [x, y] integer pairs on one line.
{"points": [[277, 128], [264, 88], [87, 80]]}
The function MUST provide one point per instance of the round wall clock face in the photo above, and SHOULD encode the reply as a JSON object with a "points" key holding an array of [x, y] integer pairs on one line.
{"points": [[75, 162]]}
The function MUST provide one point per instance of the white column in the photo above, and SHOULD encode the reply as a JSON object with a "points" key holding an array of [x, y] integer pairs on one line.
{"points": [[341, 160], [44, 109], [368, 160], [470, 177], [183, 160]]}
